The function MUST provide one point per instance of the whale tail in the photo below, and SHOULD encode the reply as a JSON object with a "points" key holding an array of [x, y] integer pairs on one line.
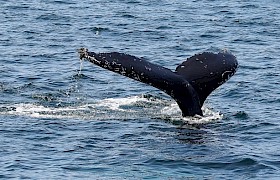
{"points": [[207, 71], [189, 85]]}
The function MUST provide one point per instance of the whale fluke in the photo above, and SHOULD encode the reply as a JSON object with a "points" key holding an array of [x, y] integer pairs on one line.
{"points": [[189, 85]]}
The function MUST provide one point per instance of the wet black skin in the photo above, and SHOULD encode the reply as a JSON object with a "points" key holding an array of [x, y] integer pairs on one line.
{"points": [[189, 85]]}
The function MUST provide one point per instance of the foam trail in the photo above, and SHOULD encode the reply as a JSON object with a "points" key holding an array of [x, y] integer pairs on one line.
{"points": [[113, 108]]}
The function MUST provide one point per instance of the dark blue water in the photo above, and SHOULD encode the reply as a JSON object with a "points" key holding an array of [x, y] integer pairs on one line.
{"points": [[59, 123]]}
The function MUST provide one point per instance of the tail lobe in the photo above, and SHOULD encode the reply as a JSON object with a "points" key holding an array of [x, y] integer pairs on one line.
{"points": [[207, 71]]}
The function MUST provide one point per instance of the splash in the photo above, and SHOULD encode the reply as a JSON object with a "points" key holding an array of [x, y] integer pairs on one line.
{"points": [[208, 116], [173, 113]]}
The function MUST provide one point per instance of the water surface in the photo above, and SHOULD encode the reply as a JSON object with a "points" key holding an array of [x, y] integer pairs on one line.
{"points": [[58, 123]]}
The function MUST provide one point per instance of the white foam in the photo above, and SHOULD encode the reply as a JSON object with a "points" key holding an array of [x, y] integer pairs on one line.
{"points": [[84, 111], [174, 113], [116, 103], [171, 110], [113, 108], [208, 116], [39, 111]]}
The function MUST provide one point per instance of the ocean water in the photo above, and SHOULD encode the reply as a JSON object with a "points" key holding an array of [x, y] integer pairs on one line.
{"points": [[61, 120]]}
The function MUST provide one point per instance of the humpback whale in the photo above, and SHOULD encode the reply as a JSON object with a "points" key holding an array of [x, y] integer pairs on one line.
{"points": [[189, 85]]}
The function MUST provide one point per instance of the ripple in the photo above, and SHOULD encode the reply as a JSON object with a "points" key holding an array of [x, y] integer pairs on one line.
{"points": [[52, 17], [241, 115]]}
